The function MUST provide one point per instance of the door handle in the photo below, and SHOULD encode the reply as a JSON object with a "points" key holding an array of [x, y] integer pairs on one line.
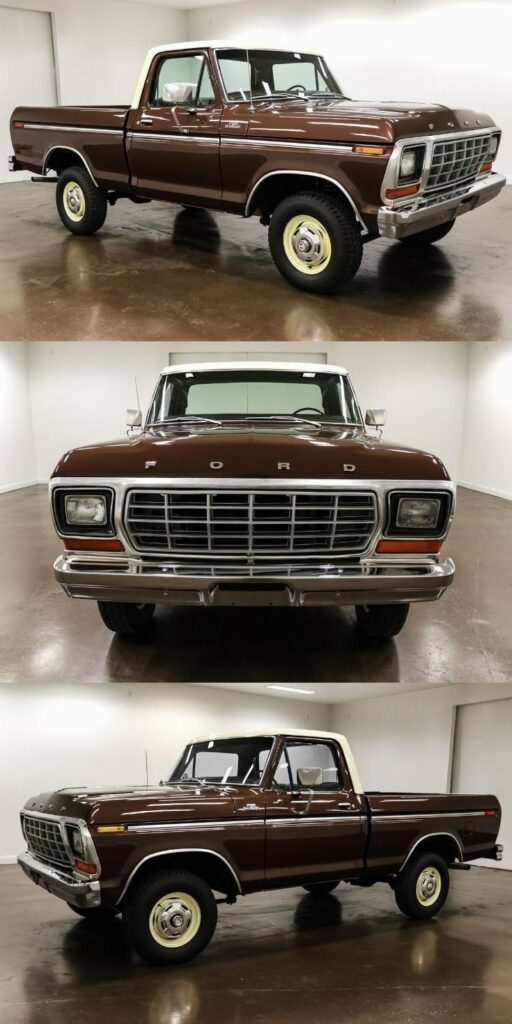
{"points": [[146, 119], [345, 806]]}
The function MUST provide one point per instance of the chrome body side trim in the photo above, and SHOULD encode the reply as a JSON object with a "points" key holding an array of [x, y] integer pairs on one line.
{"points": [[67, 149], [185, 849], [69, 128], [79, 893], [432, 835], [306, 174]]}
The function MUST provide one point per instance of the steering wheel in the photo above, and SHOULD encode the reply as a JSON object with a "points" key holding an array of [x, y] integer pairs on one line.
{"points": [[292, 88], [308, 408]]}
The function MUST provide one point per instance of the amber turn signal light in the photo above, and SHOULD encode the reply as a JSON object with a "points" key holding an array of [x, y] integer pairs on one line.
{"points": [[404, 190], [409, 547], [486, 167], [370, 150], [92, 544], [88, 869], [111, 828]]}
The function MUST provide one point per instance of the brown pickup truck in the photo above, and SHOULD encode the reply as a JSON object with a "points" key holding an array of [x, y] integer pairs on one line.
{"points": [[258, 484], [267, 132], [240, 814]]}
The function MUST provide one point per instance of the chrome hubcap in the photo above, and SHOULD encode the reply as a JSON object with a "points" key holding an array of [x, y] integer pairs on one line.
{"points": [[428, 886], [174, 920], [307, 244], [74, 200]]}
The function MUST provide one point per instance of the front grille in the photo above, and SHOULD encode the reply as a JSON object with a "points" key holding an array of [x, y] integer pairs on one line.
{"points": [[457, 160], [232, 523], [45, 841]]}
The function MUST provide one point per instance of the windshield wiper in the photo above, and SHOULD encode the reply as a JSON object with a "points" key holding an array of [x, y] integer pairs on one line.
{"points": [[186, 419]]}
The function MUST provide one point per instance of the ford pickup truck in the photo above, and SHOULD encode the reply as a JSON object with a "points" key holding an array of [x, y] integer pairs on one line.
{"points": [[266, 132], [254, 483], [241, 814]]}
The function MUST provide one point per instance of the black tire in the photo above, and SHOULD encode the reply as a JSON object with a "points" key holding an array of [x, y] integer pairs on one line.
{"points": [[381, 621], [92, 202], [126, 619], [141, 917], [95, 913], [407, 884], [321, 888], [429, 236], [341, 229]]}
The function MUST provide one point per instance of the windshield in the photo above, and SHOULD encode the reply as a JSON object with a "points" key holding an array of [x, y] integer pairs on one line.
{"points": [[240, 760], [248, 394], [256, 74]]}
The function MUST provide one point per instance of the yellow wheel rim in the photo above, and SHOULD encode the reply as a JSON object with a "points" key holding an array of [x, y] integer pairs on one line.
{"points": [[307, 244], [175, 919], [428, 886], [74, 201]]}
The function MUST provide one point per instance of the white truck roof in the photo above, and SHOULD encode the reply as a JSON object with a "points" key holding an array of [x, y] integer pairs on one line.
{"points": [[310, 733], [256, 365]]}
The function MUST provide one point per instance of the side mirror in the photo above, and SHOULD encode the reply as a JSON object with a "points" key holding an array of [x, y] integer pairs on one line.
{"points": [[375, 417], [178, 94], [133, 418]]}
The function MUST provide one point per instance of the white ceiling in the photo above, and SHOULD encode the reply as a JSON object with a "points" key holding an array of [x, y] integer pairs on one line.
{"points": [[182, 5], [325, 693]]}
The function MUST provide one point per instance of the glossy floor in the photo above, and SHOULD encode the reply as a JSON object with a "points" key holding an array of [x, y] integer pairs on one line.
{"points": [[464, 637], [158, 272], [289, 958]]}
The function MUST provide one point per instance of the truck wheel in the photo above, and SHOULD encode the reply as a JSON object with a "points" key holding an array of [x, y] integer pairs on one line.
{"points": [[126, 619], [170, 917], [315, 242], [381, 621], [422, 887], [82, 206], [95, 913], [321, 888], [429, 236]]}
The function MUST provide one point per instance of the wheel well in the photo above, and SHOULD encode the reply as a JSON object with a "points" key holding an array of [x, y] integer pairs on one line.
{"points": [[60, 158], [444, 844], [277, 186], [208, 866]]}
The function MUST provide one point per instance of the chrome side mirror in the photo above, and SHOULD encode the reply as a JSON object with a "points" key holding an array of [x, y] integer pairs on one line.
{"points": [[375, 417], [178, 94], [133, 418]]}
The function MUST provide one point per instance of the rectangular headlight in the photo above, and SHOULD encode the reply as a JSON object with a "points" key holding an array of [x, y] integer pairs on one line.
{"points": [[493, 146], [418, 513], [85, 509], [411, 163], [76, 840]]}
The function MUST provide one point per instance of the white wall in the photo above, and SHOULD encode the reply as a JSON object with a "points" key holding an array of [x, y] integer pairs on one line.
{"points": [[17, 447], [422, 385], [100, 44], [455, 52], [487, 456], [55, 736]]}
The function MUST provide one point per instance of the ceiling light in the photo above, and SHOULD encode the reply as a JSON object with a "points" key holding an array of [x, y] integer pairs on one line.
{"points": [[288, 689]]}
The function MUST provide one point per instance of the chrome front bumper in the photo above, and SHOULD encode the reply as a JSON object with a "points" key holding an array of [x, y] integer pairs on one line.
{"points": [[425, 213], [79, 893], [371, 581]]}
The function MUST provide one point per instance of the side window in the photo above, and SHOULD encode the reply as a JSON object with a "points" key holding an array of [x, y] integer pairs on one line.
{"points": [[182, 81], [307, 765]]}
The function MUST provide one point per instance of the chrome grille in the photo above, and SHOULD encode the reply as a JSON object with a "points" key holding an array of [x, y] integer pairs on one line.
{"points": [[457, 160], [45, 841], [232, 523]]}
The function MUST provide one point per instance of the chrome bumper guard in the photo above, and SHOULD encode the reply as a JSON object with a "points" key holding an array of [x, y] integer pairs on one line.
{"points": [[428, 211], [80, 893], [370, 581]]}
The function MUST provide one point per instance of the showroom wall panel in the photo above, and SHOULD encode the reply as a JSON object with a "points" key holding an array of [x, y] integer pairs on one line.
{"points": [[487, 456], [17, 449], [442, 51], [100, 735], [100, 44]]}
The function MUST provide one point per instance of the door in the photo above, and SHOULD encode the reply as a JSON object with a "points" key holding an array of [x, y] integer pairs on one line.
{"points": [[313, 818], [174, 136], [481, 762], [27, 72]]}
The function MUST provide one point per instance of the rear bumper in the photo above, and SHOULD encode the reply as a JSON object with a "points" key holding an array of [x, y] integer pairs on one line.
{"points": [[425, 214], [496, 853], [372, 581], [79, 893]]}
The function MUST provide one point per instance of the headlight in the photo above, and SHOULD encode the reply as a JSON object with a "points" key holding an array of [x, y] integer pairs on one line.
{"points": [[85, 509], [493, 146], [76, 841], [418, 513], [411, 163]]}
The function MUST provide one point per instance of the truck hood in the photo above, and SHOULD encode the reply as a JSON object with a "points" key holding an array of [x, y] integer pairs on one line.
{"points": [[131, 805], [357, 121], [257, 452]]}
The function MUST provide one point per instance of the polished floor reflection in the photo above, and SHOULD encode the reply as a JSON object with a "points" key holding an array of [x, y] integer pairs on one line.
{"points": [[159, 272], [289, 958], [466, 636]]}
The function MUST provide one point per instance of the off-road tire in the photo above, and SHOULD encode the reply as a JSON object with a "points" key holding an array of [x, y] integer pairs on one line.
{"points": [[141, 901], [95, 913], [94, 202], [343, 231], [406, 886], [126, 619], [321, 888], [381, 621], [429, 236]]}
